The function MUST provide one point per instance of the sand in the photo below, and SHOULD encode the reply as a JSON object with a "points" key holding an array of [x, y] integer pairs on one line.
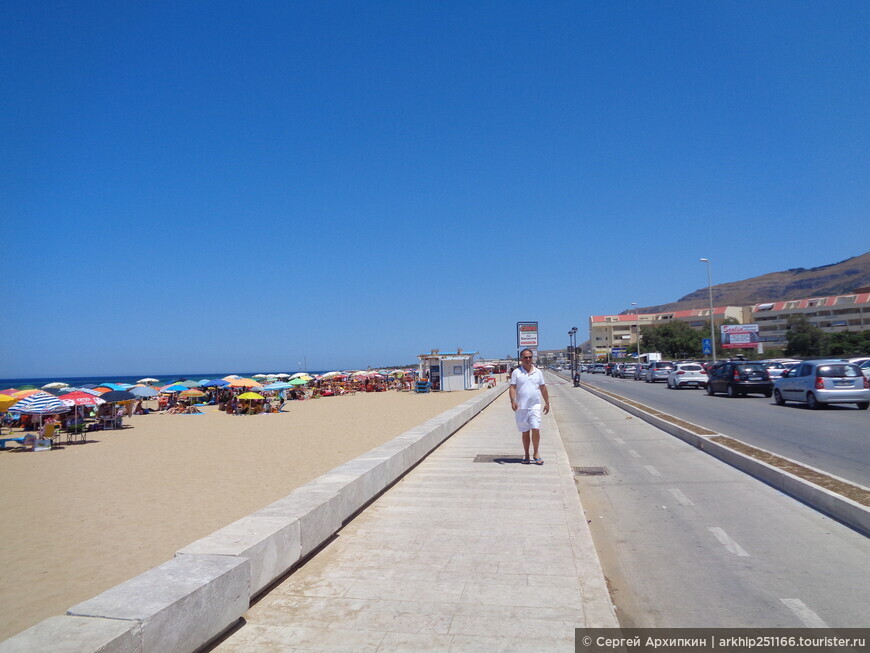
{"points": [[82, 518]]}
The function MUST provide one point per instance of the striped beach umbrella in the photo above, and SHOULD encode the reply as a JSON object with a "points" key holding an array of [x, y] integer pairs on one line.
{"points": [[41, 403]]}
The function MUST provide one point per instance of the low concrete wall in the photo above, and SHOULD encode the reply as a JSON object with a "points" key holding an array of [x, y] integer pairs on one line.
{"points": [[184, 604], [845, 510]]}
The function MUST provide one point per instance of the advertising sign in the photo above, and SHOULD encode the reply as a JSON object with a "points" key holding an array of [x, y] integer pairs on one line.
{"points": [[739, 336], [527, 335]]}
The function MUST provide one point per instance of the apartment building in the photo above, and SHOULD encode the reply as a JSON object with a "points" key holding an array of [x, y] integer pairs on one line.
{"points": [[836, 313], [831, 314]]}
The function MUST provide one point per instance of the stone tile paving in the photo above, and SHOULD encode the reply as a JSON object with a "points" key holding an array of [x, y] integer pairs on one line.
{"points": [[457, 556]]}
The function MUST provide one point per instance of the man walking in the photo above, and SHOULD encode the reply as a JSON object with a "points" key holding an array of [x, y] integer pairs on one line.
{"points": [[527, 389]]}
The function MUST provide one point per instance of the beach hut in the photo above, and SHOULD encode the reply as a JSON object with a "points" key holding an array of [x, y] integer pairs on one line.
{"points": [[448, 371]]}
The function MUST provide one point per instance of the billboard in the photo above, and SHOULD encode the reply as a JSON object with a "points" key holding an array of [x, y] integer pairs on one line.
{"points": [[739, 336], [527, 335]]}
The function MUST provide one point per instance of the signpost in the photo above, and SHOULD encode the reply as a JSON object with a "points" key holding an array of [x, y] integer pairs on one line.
{"points": [[527, 336], [707, 346]]}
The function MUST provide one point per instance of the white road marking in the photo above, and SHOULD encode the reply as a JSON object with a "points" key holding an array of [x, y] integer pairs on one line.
{"points": [[809, 618], [679, 496], [619, 440], [730, 545], [611, 431], [652, 470], [634, 453]]}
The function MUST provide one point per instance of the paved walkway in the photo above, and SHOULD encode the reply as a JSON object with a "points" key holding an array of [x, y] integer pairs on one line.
{"points": [[457, 556]]}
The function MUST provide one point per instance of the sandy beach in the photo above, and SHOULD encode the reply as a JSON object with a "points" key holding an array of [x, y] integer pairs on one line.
{"points": [[82, 518]]}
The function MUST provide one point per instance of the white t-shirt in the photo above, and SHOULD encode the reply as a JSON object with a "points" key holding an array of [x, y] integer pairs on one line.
{"points": [[528, 386]]}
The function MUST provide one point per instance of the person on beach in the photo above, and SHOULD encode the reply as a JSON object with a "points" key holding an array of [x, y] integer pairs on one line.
{"points": [[526, 391]]}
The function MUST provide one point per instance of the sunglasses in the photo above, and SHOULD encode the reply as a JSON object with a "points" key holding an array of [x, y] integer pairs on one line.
{"points": [[525, 358]]}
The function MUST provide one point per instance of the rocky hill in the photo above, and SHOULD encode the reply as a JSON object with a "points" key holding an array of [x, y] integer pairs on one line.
{"points": [[834, 279]]}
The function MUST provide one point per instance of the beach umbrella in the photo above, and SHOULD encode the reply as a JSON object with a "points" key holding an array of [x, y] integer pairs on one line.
{"points": [[57, 391], [259, 376], [116, 386], [28, 387], [230, 377], [55, 384], [90, 391], [283, 375], [115, 396], [174, 387], [148, 379], [90, 386], [21, 394], [191, 393], [331, 375], [244, 383], [215, 383], [297, 381], [41, 403], [189, 384], [9, 391], [79, 398], [250, 395], [6, 401], [144, 391], [277, 386]]}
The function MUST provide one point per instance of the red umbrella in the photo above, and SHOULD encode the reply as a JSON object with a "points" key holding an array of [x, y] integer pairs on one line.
{"points": [[77, 398]]}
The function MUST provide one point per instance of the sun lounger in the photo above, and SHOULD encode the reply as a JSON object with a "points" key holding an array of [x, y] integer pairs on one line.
{"points": [[3, 441]]}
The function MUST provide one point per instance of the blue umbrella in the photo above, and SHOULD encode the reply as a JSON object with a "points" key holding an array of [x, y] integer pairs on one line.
{"points": [[117, 386], [175, 387], [278, 386], [216, 383], [144, 391], [40, 403]]}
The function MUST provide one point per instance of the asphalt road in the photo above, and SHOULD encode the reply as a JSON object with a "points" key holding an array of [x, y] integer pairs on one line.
{"points": [[688, 541], [835, 439]]}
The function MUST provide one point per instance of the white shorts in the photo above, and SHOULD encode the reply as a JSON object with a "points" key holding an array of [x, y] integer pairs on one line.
{"points": [[528, 418]]}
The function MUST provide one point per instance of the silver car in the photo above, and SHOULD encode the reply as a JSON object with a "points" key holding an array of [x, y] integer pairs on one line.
{"points": [[658, 371], [817, 383], [687, 375]]}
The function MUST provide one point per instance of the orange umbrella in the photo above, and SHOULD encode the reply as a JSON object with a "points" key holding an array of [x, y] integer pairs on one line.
{"points": [[245, 383], [191, 393], [21, 394]]}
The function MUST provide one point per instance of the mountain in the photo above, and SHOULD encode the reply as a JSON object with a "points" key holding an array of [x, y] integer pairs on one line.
{"points": [[840, 278]]}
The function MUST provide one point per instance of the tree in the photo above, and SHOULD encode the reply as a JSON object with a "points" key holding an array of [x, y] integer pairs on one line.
{"points": [[803, 338], [674, 340]]}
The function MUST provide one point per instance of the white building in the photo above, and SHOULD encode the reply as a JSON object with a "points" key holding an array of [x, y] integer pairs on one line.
{"points": [[449, 371]]}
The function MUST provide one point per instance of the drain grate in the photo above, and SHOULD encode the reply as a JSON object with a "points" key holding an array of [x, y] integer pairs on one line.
{"points": [[590, 471], [497, 458]]}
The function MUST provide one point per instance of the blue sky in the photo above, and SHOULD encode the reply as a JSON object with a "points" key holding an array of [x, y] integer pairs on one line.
{"points": [[238, 186]]}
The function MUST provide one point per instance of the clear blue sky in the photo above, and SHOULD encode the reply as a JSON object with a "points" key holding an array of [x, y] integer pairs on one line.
{"points": [[235, 186]]}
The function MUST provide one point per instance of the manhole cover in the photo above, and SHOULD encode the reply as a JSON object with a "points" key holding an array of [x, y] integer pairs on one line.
{"points": [[497, 458], [590, 471]]}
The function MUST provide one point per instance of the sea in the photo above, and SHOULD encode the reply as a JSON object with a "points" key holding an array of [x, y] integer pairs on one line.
{"points": [[164, 379]]}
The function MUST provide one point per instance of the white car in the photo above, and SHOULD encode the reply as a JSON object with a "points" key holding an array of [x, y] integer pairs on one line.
{"points": [[687, 375]]}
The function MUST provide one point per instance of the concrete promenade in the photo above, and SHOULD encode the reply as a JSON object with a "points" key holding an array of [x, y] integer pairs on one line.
{"points": [[457, 556]]}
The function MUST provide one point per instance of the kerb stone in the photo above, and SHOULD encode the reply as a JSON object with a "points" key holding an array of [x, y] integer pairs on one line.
{"points": [[67, 634], [179, 605]]}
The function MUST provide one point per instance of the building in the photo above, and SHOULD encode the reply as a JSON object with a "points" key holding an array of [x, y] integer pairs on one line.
{"points": [[450, 371], [609, 332], [830, 314]]}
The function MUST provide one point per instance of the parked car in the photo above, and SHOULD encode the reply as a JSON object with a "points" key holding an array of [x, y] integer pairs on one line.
{"points": [[626, 370], [687, 375], [817, 383], [865, 368], [640, 371], [737, 378], [658, 371], [598, 368], [608, 369]]}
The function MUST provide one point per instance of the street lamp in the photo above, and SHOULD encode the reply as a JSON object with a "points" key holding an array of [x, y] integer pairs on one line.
{"points": [[573, 333], [637, 329], [710, 290]]}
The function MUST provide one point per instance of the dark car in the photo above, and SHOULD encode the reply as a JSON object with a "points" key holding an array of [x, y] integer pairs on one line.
{"points": [[738, 378], [608, 369]]}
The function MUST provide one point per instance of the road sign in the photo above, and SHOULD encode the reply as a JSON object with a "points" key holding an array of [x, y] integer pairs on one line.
{"points": [[707, 345]]}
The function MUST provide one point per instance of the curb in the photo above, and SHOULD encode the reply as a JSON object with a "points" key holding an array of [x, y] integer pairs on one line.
{"points": [[850, 513], [189, 601]]}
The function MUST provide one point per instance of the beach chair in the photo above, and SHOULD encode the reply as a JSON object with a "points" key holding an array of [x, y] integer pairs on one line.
{"points": [[423, 386], [3, 441]]}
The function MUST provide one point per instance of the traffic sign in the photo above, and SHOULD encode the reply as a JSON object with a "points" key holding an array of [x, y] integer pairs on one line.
{"points": [[707, 345]]}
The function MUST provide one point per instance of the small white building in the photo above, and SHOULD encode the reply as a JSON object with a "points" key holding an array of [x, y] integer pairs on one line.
{"points": [[449, 371]]}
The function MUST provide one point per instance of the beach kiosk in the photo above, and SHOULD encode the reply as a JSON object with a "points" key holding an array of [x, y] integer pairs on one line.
{"points": [[449, 371]]}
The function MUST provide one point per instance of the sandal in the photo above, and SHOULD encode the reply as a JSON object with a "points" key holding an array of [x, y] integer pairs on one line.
{"points": [[525, 461], [539, 461]]}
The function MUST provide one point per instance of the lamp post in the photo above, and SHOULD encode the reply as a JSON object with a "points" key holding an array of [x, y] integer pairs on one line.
{"points": [[710, 290], [637, 329], [573, 334]]}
